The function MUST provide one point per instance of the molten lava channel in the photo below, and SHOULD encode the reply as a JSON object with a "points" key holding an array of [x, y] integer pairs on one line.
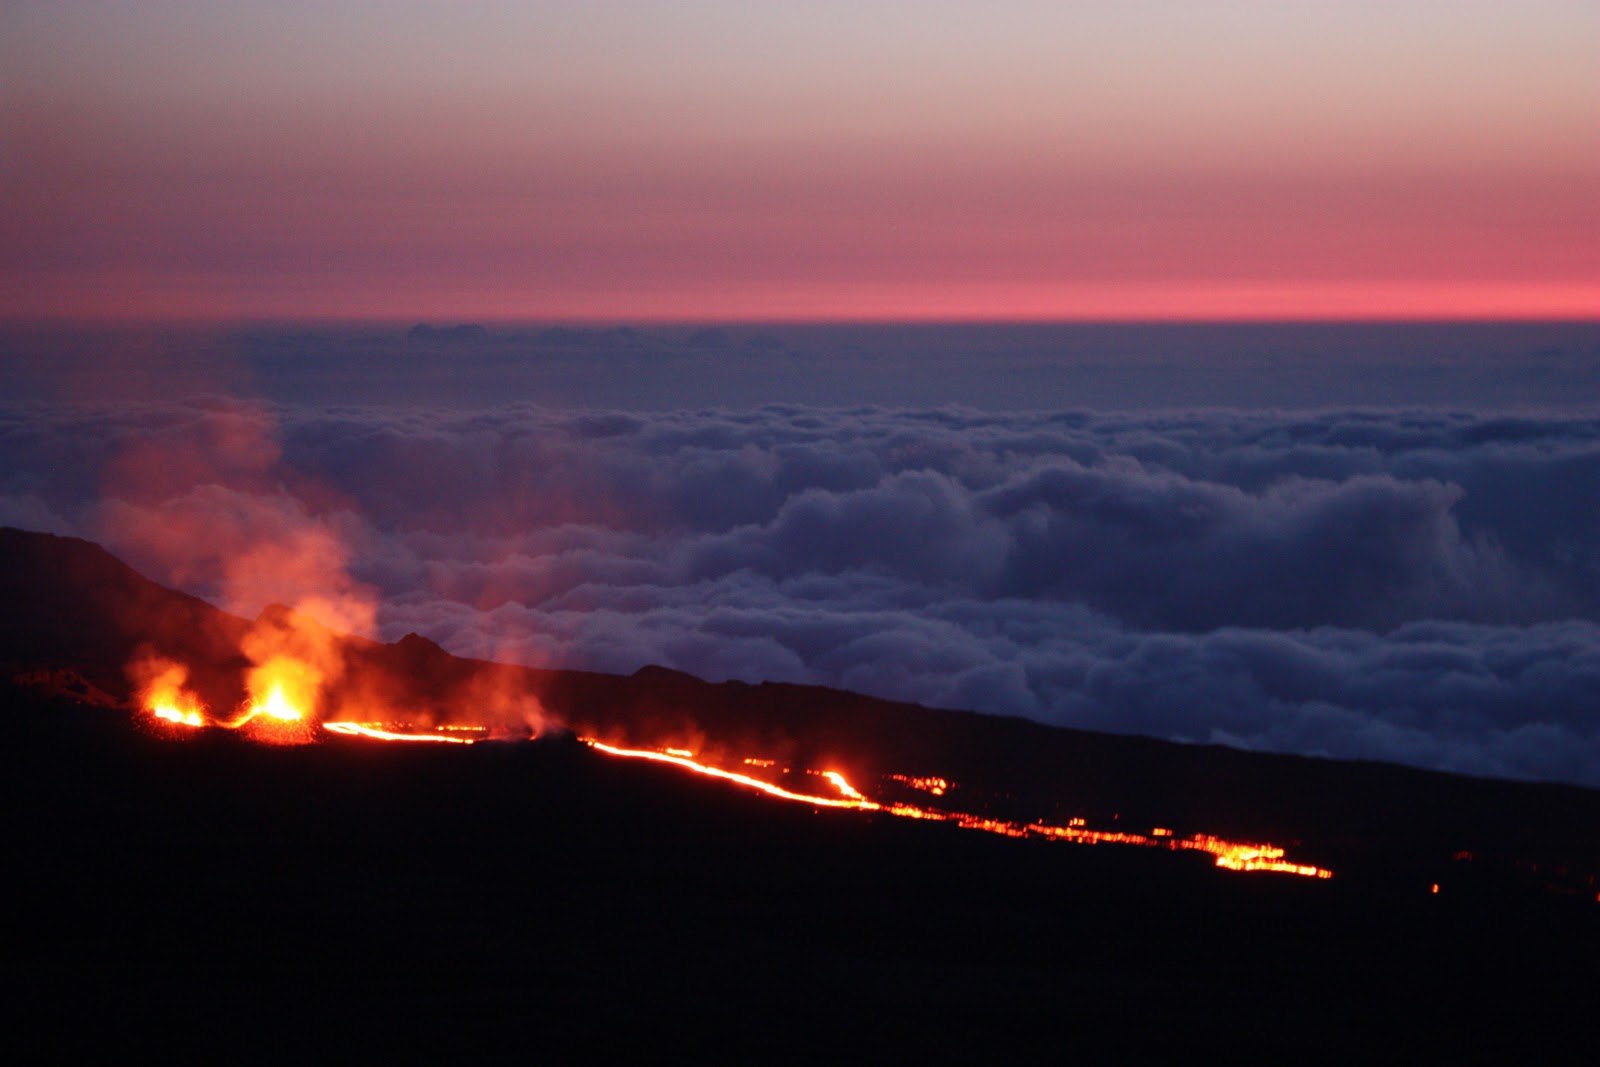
{"points": [[378, 731], [1230, 855], [277, 717]]}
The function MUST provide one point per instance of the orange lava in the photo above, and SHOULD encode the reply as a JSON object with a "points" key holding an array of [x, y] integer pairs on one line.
{"points": [[165, 694], [936, 786], [728, 776], [843, 786], [276, 705], [377, 732], [274, 719], [1230, 855], [282, 712], [180, 715]]}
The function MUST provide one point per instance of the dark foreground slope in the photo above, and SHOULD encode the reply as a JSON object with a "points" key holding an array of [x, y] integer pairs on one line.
{"points": [[537, 901]]}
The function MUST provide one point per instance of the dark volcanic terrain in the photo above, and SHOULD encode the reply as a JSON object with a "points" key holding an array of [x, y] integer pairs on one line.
{"points": [[538, 900]]}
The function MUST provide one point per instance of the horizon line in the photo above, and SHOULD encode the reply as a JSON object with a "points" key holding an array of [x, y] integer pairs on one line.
{"points": [[10, 322]]}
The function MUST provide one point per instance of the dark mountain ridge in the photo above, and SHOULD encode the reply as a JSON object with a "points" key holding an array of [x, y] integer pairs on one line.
{"points": [[90, 613]]}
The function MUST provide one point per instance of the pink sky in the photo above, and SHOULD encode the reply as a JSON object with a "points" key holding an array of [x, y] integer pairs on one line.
{"points": [[874, 160]]}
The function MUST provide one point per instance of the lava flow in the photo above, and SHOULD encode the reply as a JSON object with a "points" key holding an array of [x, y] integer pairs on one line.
{"points": [[677, 759], [281, 712], [381, 731], [1231, 855]]}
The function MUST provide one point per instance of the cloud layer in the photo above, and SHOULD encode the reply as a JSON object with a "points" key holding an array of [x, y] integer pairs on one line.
{"points": [[1419, 586]]}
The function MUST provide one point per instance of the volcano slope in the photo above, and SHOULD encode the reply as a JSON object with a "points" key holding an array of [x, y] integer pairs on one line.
{"points": [[536, 898]]}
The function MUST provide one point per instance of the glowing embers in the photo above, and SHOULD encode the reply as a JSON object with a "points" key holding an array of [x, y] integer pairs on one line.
{"points": [[1236, 856], [927, 784]]}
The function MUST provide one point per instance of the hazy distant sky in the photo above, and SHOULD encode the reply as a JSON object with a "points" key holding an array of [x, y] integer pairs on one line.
{"points": [[726, 160]]}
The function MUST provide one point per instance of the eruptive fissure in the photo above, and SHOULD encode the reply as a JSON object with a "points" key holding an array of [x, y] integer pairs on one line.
{"points": [[281, 710]]}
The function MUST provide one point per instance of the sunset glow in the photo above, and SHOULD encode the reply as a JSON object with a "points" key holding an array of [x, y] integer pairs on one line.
{"points": [[876, 161]]}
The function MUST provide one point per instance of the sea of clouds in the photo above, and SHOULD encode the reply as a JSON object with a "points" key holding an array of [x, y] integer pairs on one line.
{"points": [[1420, 586]]}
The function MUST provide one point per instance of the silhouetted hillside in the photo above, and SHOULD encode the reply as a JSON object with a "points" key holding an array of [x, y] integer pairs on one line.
{"points": [[89, 613], [535, 899]]}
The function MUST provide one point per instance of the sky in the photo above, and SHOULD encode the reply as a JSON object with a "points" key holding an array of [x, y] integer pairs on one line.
{"points": [[870, 160]]}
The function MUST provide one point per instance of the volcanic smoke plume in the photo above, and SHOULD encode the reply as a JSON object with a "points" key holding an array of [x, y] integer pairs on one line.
{"points": [[215, 509]]}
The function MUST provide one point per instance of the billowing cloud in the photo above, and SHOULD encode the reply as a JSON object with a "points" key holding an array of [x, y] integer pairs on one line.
{"points": [[1420, 586]]}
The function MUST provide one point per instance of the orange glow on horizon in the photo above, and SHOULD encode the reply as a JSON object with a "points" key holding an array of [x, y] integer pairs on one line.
{"points": [[825, 302]]}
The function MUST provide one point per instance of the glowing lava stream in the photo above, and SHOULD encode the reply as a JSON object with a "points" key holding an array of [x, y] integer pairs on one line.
{"points": [[1231, 855], [171, 704], [181, 709], [377, 733], [177, 715], [742, 779]]}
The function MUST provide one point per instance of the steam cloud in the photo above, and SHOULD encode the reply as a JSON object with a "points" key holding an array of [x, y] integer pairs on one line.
{"points": [[1414, 586]]}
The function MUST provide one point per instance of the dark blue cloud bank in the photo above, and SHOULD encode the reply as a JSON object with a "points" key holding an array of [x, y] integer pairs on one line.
{"points": [[1411, 585]]}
